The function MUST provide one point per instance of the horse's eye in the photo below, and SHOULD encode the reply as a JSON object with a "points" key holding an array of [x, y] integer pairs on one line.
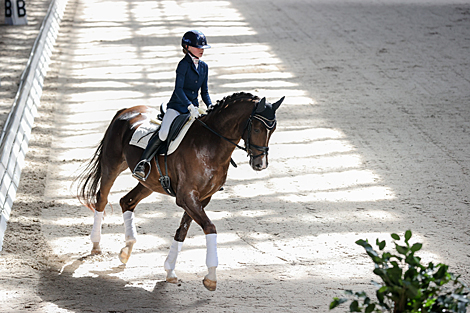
{"points": [[256, 130]]}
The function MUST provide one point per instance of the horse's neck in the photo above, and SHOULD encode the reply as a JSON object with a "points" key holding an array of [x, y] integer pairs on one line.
{"points": [[230, 124]]}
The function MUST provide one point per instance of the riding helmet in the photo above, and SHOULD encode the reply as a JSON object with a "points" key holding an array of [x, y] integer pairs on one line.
{"points": [[195, 38]]}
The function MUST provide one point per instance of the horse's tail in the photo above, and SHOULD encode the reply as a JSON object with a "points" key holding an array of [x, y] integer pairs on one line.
{"points": [[89, 180]]}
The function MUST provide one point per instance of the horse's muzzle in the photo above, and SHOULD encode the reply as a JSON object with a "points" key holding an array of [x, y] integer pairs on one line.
{"points": [[259, 163]]}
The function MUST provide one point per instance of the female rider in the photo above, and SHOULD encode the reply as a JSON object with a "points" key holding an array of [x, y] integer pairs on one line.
{"points": [[191, 75]]}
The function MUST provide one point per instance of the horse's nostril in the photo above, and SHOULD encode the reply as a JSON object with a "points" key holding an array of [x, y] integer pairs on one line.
{"points": [[259, 166]]}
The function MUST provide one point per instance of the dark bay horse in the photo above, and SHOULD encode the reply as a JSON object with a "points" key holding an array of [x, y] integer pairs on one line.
{"points": [[197, 169]]}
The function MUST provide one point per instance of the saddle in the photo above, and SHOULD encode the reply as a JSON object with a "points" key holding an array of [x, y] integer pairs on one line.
{"points": [[151, 126], [175, 129], [178, 130]]}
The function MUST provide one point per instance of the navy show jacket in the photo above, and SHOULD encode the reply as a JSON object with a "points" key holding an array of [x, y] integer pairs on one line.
{"points": [[188, 82]]}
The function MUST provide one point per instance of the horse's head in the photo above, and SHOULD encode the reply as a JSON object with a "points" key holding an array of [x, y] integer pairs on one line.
{"points": [[261, 125]]}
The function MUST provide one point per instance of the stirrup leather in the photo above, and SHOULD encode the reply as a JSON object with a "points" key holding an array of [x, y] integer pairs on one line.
{"points": [[137, 174]]}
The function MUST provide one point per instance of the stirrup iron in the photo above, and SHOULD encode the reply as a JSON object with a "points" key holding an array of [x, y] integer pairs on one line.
{"points": [[139, 177]]}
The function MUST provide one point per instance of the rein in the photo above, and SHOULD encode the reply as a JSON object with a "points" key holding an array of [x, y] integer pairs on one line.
{"points": [[236, 145], [247, 149]]}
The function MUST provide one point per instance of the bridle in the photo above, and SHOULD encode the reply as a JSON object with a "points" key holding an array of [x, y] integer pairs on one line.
{"points": [[268, 123]]}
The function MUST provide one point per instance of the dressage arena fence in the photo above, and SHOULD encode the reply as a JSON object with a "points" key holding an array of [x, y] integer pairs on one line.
{"points": [[17, 130]]}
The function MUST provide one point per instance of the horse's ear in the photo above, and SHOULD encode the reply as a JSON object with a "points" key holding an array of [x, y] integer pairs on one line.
{"points": [[261, 105], [278, 103]]}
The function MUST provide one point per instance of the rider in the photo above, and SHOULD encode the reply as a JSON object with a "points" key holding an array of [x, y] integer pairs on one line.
{"points": [[191, 75]]}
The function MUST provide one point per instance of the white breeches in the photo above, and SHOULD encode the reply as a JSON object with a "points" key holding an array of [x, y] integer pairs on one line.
{"points": [[168, 118], [96, 230]]}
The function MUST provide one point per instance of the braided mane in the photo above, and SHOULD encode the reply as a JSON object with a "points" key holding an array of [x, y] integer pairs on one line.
{"points": [[230, 100]]}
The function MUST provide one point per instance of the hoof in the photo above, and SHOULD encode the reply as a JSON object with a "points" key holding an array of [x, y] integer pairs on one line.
{"points": [[171, 277], [209, 284], [125, 253], [96, 248], [95, 251]]}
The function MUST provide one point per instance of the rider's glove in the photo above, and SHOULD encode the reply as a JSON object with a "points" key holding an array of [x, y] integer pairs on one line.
{"points": [[193, 110]]}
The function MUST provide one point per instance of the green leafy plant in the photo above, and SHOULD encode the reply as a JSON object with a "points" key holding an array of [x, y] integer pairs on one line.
{"points": [[407, 286]]}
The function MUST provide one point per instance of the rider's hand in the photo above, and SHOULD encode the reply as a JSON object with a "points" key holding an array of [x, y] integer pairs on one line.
{"points": [[193, 110]]}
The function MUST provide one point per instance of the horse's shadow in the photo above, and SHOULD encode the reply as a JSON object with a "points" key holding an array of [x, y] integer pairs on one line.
{"points": [[106, 292]]}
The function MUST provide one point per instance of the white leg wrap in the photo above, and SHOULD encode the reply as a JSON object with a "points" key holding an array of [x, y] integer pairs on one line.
{"points": [[211, 257], [129, 226], [95, 235], [170, 261]]}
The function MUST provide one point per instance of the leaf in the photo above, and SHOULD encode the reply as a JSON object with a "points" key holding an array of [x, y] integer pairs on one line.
{"points": [[354, 306], [380, 294], [411, 274], [416, 247], [370, 308], [361, 294], [380, 272], [401, 249], [374, 256], [386, 256], [381, 244], [364, 243], [394, 274], [412, 261], [395, 236], [441, 272], [336, 302], [407, 235]]}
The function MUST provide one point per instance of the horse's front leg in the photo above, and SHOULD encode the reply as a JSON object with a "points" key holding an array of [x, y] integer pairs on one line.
{"points": [[128, 204], [175, 248], [195, 209], [212, 261]]}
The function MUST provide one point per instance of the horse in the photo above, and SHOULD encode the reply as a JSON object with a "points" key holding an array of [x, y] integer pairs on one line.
{"points": [[196, 170]]}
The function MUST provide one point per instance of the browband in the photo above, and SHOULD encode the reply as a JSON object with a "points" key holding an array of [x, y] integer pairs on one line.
{"points": [[269, 124]]}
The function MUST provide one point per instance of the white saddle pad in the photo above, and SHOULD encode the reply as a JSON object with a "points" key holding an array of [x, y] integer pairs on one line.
{"points": [[142, 134]]}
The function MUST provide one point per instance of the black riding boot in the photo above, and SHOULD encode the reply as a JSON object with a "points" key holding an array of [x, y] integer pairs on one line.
{"points": [[147, 156]]}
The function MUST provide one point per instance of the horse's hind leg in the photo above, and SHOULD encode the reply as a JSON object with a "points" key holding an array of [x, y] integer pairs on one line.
{"points": [[108, 177], [175, 248], [128, 204]]}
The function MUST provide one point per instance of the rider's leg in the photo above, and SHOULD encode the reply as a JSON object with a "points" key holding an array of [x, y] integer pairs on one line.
{"points": [[147, 155], [168, 118], [154, 142]]}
